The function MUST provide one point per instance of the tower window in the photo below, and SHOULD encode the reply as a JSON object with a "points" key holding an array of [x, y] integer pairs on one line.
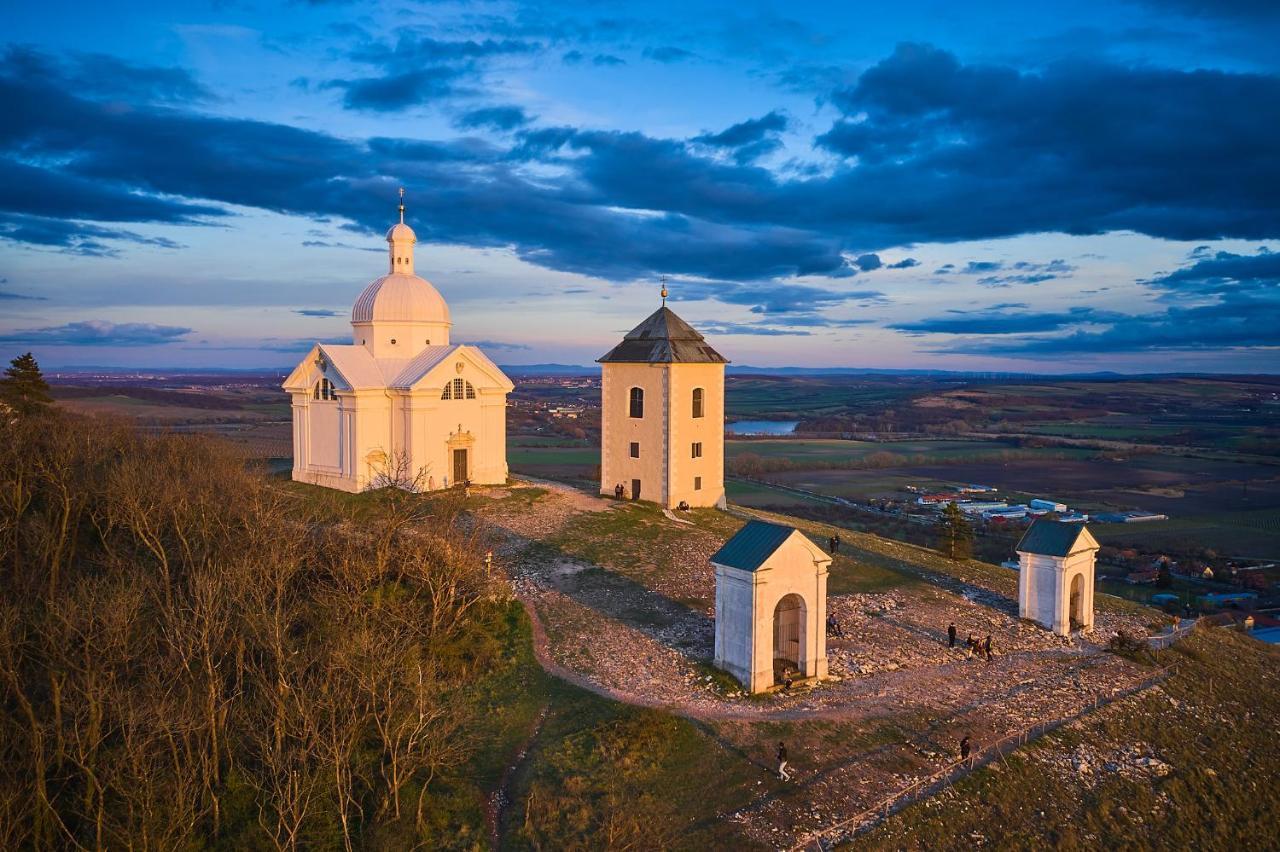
{"points": [[325, 390], [697, 483], [635, 449], [637, 402], [697, 402], [393, 341], [697, 449]]}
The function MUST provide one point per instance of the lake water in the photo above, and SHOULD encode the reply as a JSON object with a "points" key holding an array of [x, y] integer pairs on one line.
{"points": [[762, 427]]}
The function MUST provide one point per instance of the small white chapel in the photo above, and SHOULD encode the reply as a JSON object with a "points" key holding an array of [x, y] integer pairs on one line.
{"points": [[399, 405]]}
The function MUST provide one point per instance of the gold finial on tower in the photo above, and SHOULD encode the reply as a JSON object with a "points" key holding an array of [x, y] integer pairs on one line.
{"points": [[664, 291], [402, 205]]}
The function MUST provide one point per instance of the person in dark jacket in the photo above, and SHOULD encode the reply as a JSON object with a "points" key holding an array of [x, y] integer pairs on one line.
{"points": [[837, 540], [964, 748], [782, 763], [986, 647], [951, 635]]}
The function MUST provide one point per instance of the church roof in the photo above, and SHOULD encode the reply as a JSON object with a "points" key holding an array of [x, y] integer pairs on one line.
{"points": [[663, 338], [1056, 538], [399, 297], [355, 364], [752, 545]]}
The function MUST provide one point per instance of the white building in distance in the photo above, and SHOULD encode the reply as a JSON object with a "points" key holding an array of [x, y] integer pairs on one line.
{"points": [[399, 405], [771, 605], [1055, 576]]}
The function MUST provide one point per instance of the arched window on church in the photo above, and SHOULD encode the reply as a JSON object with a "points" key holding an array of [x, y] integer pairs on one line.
{"points": [[458, 389], [325, 390], [697, 402], [637, 402]]}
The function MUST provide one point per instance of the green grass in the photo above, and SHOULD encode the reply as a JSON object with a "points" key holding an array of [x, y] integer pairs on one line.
{"points": [[1216, 714], [606, 775]]}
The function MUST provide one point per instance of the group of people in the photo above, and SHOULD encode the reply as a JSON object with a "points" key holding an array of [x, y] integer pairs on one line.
{"points": [[618, 491], [973, 646], [833, 543]]}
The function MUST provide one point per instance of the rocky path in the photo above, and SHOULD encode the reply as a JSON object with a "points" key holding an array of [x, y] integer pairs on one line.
{"points": [[898, 693]]}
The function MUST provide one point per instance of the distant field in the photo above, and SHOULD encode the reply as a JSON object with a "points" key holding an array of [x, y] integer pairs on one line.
{"points": [[1253, 534], [751, 494], [800, 449]]}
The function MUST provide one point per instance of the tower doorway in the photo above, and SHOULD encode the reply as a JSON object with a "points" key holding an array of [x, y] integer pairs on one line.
{"points": [[788, 636], [635, 489]]}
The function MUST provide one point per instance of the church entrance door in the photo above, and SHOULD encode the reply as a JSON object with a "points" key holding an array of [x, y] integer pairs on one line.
{"points": [[635, 489], [460, 467]]}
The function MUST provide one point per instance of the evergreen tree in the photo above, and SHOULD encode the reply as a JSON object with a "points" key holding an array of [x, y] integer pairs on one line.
{"points": [[23, 389], [955, 536]]}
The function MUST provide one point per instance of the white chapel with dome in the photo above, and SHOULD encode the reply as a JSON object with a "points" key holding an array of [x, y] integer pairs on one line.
{"points": [[400, 404]]}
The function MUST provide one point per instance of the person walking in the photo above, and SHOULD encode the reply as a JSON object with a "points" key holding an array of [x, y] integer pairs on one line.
{"points": [[831, 544], [837, 540], [951, 635], [986, 646], [964, 748], [783, 775]]}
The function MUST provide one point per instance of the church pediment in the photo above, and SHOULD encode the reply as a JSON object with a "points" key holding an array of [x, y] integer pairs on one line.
{"points": [[432, 370]]}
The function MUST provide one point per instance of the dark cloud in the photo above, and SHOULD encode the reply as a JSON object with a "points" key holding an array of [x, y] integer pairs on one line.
{"points": [[73, 237], [418, 70], [1224, 274], [97, 333], [868, 262], [746, 132], [1091, 151], [600, 60], [1243, 312], [5, 295], [55, 193], [493, 118], [996, 321], [319, 312], [668, 54], [1236, 324], [98, 76], [977, 267], [905, 263], [393, 92], [770, 297], [1082, 148]]}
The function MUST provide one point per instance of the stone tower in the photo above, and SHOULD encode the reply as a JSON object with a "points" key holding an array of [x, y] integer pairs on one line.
{"points": [[662, 418]]}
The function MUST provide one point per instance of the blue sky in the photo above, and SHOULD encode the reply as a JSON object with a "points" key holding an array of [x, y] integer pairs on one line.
{"points": [[1003, 186]]}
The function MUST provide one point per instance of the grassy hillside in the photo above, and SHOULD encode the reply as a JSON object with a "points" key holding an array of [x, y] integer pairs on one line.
{"points": [[1093, 784]]}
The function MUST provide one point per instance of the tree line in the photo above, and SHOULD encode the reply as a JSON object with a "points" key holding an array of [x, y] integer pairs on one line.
{"points": [[194, 655]]}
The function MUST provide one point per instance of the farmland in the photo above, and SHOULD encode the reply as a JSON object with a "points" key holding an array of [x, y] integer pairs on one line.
{"points": [[1203, 450]]}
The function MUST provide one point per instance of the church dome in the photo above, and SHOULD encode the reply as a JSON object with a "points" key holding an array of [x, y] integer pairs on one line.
{"points": [[400, 298]]}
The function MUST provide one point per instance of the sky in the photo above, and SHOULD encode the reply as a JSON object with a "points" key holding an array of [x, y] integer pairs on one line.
{"points": [[1044, 187]]}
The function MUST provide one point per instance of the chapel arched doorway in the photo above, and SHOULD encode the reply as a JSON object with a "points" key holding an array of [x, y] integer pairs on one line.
{"points": [[1075, 599], [788, 636]]}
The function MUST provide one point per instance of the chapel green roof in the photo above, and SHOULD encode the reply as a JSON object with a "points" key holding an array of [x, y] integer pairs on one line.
{"points": [[1051, 538]]}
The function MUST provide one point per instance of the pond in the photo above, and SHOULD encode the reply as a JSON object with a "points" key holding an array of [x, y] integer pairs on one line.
{"points": [[762, 427]]}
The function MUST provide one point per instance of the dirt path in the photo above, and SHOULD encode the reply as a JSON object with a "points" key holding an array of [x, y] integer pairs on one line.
{"points": [[496, 804]]}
